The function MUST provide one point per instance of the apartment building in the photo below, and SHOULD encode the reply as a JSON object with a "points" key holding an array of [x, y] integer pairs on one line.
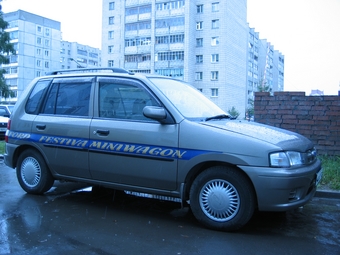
{"points": [[36, 40], [201, 42], [40, 49], [265, 67], [74, 55]]}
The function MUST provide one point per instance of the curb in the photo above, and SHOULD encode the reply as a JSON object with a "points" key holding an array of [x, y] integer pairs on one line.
{"points": [[327, 194]]}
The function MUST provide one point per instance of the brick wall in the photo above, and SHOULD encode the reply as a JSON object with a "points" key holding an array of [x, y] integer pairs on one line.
{"points": [[316, 117]]}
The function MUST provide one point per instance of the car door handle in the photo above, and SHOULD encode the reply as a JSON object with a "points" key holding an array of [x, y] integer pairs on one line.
{"points": [[40, 126], [102, 132]]}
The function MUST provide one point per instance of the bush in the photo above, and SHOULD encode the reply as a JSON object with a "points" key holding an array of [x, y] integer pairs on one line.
{"points": [[331, 171]]}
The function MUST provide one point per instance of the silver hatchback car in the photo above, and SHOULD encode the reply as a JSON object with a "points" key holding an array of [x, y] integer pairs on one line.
{"points": [[159, 136]]}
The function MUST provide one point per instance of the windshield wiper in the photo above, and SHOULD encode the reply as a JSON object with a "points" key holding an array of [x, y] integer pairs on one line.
{"points": [[219, 117]]}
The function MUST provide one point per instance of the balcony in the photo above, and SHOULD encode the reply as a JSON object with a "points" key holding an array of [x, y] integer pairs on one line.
{"points": [[137, 49], [169, 64], [137, 2]]}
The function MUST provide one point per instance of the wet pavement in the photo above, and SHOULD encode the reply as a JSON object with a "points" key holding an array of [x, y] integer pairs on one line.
{"points": [[73, 219]]}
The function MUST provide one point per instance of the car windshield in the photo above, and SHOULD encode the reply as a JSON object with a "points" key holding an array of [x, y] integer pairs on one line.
{"points": [[188, 100]]}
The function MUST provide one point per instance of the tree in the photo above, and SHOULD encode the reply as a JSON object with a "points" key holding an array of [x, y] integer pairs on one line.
{"points": [[6, 48], [263, 86], [233, 112]]}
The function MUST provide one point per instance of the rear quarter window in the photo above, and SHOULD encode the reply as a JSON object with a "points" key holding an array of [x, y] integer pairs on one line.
{"points": [[36, 96]]}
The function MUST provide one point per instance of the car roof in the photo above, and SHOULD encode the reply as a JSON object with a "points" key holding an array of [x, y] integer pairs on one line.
{"points": [[102, 71]]}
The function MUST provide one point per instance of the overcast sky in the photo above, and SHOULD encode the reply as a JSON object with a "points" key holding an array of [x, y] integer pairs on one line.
{"points": [[306, 32]]}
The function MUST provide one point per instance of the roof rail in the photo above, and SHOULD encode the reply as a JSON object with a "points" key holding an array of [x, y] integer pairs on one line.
{"points": [[90, 70]]}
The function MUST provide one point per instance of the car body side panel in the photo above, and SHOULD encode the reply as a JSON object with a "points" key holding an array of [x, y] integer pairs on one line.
{"points": [[63, 142], [136, 153]]}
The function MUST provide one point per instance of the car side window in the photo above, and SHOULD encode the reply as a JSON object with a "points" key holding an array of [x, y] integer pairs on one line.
{"points": [[36, 96], [68, 99], [123, 101]]}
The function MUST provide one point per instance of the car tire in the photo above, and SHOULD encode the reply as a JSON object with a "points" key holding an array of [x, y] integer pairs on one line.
{"points": [[222, 198], [32, 172]]}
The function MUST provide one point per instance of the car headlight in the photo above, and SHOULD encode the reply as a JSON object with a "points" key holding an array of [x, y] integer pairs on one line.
{"points": [[286, 159]]}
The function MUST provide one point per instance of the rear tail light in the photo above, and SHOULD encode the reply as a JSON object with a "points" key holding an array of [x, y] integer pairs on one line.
{"points": [[8, 128]]}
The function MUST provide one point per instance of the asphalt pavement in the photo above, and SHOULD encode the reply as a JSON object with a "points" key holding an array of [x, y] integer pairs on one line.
{"points": [[71, 218]]}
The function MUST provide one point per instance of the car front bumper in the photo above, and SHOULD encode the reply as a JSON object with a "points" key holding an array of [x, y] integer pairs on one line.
{"points": [[279, 189]]}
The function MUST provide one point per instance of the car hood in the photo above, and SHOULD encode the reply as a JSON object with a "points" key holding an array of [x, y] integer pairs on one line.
{"points": [[276, 136]]}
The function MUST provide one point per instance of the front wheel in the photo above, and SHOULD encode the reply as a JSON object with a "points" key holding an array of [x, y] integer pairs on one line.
{"points": [[32, 172], [222, 198]]}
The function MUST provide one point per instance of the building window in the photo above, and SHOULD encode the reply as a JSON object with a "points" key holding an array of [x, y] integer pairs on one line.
{"points": [[47, 53], [199, 76], [47, 43], [177, 38], [170, 5], [214, 58], [110, 49], [111, 20], [215, 24], [47, 32], [38, 74], [39, 63], [215, 7], [47, 64], [199, 25], [14, 35], [199, 42], [39, 29], [111, 6], [199, 59], [200, 8], [214, 92], [111, 34], [215, 41], [110, 63], [38, 52], [39, 40], [13, 59], [214, 75], [170, 56]]}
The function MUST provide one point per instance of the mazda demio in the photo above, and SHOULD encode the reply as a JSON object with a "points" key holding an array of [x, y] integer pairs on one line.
{"points": [[159, 136]]}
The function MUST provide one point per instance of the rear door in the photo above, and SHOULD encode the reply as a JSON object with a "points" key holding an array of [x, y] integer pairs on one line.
{"points": [[61, 129], [126, 147]]}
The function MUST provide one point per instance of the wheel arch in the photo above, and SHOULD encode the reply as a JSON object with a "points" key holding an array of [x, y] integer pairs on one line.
{"points": [[23, 148], [199, 168]]}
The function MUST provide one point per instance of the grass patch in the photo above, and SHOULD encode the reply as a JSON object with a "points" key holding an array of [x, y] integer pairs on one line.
{"points": [[331, 171], [2, 147], [330, 164]]}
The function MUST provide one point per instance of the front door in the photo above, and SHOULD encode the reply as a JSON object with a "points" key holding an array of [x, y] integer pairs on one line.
{"points": [[126, 147]]}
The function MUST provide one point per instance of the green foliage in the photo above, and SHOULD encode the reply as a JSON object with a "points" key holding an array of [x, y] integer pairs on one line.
{"points": [[263, 86], [2, 147], [331, 171], [233, 112], [6, 48]]}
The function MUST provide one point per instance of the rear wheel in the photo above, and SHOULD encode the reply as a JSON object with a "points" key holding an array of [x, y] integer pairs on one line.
{"points": [[32, 173], [222, 198]]}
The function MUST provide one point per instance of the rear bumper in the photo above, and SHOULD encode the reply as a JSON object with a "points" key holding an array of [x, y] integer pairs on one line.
{"points": [[9, 156], [283, 189]]}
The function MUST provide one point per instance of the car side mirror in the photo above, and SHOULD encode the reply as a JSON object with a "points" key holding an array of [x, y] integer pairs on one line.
{"points": [[154, 112]]}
